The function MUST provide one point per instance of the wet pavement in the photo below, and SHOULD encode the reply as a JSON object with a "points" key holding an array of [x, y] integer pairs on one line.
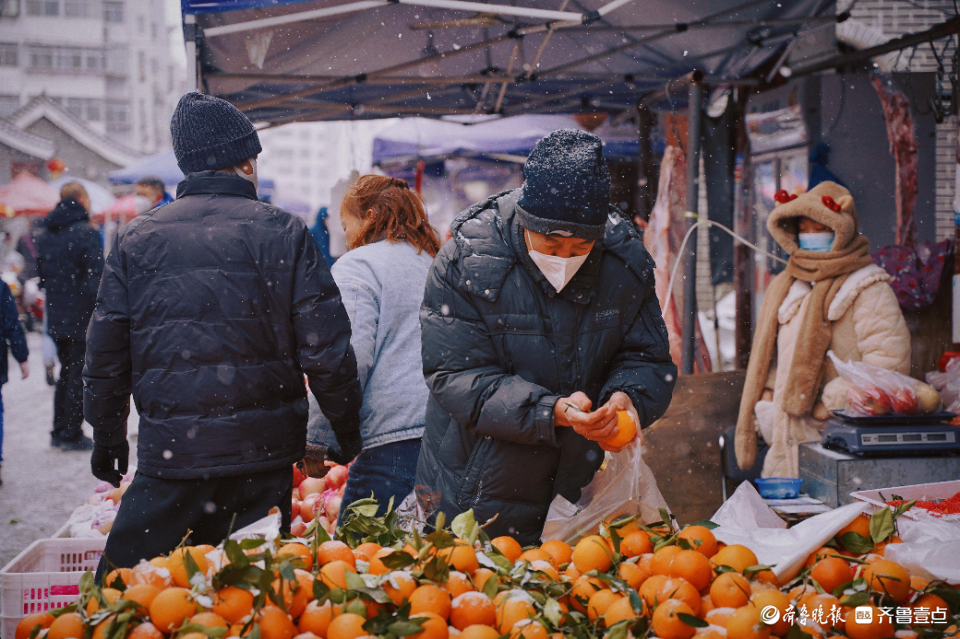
{"points": [[41, 485]]}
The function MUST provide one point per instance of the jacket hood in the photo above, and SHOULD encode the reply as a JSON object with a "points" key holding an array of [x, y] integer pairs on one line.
{"points": [[64, 214], [816, 205]]}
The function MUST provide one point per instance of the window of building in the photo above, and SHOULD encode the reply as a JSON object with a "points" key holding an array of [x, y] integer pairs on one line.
{"points": [[76, 59], [140, 24], [9, 8], [153, 30], [41, 57], [117, 116], [8, 104], [69, 58], [116, 61], [142, 66], [94, 111], [113, 11], [43, 7], [95, 60], [76, 8], [8, 54]]}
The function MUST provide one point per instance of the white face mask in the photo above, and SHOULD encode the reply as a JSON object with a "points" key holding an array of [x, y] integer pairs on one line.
{"points": [[252, 177], [558, 270], [142, 204]]}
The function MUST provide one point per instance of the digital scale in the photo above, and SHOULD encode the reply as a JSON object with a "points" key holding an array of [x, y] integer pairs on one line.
{"points": [[892, 434]]}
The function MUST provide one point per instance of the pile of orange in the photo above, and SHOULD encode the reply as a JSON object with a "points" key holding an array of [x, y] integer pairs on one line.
{"points": [[649, 581]]}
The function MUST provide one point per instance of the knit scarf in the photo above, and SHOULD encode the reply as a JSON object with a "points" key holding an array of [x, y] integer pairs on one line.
{"points": [[826, 271]]}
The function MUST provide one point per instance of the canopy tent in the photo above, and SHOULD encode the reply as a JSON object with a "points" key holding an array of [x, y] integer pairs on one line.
{"points": [[340, 59], [27, 194], [162, 166], [100, 198], [509, 139]]}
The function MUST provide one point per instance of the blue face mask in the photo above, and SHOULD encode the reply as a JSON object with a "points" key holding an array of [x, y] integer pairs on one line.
{"points": [[819, 242]]}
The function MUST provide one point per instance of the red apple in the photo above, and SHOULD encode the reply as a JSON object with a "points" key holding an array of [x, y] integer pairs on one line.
{"points": [[294, 508], [311, 486], [310, 507], [904, 402], [332, 508], [869, 401], [297, 476], [298, 529], [337, 476]]}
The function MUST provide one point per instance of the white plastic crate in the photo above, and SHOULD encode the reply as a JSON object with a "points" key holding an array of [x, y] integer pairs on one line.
{"points": [[44, 576]]}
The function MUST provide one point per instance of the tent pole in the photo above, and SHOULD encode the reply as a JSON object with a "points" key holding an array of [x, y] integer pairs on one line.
{"points": [[693, 202], [645, 193], [455, 5], [190, 29]]}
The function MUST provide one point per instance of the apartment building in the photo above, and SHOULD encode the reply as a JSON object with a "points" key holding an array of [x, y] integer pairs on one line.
{"points": [[107, 62]]}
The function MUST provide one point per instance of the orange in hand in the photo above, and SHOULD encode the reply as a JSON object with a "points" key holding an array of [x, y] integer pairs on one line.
{"points": [[627, 431]]}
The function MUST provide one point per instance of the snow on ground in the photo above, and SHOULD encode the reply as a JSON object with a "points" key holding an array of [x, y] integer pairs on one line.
{"points": [[41, 485]]}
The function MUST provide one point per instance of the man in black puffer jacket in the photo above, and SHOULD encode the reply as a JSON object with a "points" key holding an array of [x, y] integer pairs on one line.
{"points": [[540, 308], [211, 310], [69, 263]]}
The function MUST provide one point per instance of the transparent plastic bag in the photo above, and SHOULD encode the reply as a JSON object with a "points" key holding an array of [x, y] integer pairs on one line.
{"points": [[625, 487], [877, 391], [948, 383]]}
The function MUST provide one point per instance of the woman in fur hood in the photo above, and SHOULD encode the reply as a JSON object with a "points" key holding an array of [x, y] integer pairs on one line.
{"points": [[830, 297]]}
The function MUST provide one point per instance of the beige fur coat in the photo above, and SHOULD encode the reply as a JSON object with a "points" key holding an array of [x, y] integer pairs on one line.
{"points": [[867, 326]]}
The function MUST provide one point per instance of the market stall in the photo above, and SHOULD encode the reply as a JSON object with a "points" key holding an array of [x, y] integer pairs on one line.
{"points": [[868, 569], [776, 562]]}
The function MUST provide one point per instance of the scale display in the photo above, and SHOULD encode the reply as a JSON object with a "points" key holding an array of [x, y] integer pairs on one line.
{"points": [[887, 439]]}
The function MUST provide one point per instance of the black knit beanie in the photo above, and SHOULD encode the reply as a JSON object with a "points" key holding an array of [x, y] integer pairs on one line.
{"points": [[210, 134], [566, 188]]}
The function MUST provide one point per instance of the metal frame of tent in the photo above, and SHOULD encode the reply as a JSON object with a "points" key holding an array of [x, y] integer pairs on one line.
{"points": [[593, 78]]}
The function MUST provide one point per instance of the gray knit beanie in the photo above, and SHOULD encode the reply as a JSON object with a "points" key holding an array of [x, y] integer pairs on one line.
{"points": [[566, 188], [210, 134]]}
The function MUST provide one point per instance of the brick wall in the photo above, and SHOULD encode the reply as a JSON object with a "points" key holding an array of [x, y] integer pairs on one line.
{"points": [[895, 18]]}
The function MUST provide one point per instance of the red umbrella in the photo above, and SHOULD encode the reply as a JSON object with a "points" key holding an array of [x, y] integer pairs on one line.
{"points": [[27, 195]]}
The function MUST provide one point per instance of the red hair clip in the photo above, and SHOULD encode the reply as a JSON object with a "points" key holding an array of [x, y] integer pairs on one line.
{"points": [[782, 197], [830, 204]]}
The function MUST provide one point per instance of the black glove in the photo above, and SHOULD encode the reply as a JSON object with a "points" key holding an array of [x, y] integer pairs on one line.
{"points": [[350, 446], [109, 463]]}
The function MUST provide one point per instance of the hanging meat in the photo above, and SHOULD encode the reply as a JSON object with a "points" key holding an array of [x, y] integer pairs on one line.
{"points": [[662, 237], [903, 148]]}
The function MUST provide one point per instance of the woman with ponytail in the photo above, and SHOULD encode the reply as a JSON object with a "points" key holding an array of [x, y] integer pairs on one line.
{"points": [[381, 279]]}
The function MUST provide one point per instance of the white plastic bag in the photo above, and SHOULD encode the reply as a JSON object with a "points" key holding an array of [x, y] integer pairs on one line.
{"points": [[948, 383], [625, 487], [746, 509], [787, 549]]}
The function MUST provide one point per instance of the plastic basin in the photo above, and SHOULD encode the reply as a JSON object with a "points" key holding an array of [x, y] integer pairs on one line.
{"points": [[779, 487]]}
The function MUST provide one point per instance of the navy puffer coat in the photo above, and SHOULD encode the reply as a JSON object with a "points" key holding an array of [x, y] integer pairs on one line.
{"points": [[69, 262], [501, 346], [211, 310]]}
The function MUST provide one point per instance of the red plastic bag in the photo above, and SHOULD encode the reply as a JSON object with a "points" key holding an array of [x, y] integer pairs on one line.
{"points": [[877, 391]]}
